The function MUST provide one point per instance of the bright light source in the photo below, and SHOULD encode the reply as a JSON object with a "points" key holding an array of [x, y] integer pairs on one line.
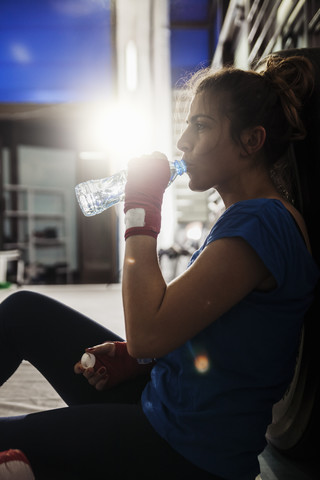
{"points": [[122, 131], [128, 130], [194, 231]]}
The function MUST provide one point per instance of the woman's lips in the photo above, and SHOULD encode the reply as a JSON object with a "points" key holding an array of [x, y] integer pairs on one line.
{"points": [[188, 165]]}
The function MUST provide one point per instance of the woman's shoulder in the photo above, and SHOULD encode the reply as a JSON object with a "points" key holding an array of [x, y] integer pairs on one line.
{"points": [[273, 211], [261, 218], [261, 209], [256, 205]]}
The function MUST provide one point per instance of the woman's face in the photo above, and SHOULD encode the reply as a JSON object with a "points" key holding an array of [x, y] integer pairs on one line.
{"points": [[211, 155]]}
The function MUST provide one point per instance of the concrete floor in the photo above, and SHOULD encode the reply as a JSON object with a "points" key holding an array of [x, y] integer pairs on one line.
{"points": [[103, 304]]}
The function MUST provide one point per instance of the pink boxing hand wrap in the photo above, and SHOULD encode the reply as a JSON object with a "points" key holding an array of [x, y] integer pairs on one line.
{"points": [[122, 366], [147, 181]]}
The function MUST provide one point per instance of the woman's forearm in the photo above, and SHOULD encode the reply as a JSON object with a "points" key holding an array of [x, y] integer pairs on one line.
{"points": [[143, 289]]}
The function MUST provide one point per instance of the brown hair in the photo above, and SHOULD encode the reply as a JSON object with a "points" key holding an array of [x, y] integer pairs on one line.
{"points": [[272, 98]]}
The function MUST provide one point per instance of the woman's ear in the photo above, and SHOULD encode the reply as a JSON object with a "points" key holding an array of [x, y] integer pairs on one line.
{"points": [[252, 139]]}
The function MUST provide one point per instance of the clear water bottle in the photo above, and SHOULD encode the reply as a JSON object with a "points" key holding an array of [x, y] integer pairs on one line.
{"points": [[89, 360], [95, 196]]}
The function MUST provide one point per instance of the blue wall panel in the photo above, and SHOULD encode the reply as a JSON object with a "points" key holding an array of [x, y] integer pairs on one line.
{"points": [[189, 52], [55, 50], [191, 37]]}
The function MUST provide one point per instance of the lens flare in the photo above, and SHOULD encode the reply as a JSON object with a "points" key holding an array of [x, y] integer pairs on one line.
{"points": [[201, 363], [131, 260]]}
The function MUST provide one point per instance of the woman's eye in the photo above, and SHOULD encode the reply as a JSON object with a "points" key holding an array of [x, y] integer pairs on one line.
{"points": [[199, 126]]}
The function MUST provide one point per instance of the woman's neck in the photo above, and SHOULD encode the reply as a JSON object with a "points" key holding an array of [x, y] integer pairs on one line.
{"points": [[254, 184]]}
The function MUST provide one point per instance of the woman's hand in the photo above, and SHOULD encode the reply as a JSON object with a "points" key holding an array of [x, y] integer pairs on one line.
{"points": [[113, 366], [97, 378], [148, 177]]}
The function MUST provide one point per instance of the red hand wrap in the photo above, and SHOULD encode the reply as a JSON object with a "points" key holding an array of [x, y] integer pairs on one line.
{"points": [[122, 366], [146, 183]]}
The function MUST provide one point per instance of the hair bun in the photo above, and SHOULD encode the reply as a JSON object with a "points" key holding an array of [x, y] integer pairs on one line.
{"points": [[293, 80]]}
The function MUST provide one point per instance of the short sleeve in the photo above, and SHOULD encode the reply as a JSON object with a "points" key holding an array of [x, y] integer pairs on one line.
{"points": [[267, 227]]}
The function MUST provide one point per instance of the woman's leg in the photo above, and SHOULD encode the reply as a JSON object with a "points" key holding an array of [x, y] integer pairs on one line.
{"points": [[82, 441], [112, 441], [52, 337]]}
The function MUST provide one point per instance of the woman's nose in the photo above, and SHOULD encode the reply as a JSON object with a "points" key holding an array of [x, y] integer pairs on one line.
{"points": [[183, 143]]}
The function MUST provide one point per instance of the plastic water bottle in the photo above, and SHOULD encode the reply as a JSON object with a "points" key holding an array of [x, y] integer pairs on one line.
{"points": [[89, 360], [95, 196]]}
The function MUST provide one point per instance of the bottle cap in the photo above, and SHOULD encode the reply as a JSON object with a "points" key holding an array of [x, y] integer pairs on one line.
{"points": [[88, 360]]}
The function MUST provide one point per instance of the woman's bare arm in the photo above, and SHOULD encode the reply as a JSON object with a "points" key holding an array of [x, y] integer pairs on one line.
{"points": [[160, 317]]}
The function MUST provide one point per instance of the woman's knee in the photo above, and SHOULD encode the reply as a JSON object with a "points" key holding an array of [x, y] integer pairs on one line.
{"points": [[24, 308], [19, 299]]}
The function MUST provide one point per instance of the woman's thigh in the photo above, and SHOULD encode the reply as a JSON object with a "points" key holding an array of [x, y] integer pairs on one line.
{"points": [[95, 441], [52, 337]]}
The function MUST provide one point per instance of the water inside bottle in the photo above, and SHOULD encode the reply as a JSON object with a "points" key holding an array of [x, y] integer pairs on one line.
{"points": [[95, 196]]}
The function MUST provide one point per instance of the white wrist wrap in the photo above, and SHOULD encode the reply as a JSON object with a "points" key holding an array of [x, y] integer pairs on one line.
{"points": [[135, 217]]}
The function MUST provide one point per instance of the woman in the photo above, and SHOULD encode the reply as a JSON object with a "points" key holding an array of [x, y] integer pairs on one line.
{"points": [[225, 334]]}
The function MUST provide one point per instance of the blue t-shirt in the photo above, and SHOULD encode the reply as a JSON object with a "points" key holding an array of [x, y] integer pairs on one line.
{"points": [[212, 398]]}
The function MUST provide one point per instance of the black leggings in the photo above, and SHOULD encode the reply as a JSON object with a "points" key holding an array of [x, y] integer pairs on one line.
{"points": [[100, 434]]}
